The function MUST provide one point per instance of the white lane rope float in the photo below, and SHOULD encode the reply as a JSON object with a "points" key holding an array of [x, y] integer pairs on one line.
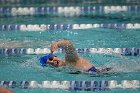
{"points": [[31, 51], [50, 27], [74, 85], [67, 11]]}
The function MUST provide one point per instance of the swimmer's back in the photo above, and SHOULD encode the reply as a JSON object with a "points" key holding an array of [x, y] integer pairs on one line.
{"points": [[81, 64]]}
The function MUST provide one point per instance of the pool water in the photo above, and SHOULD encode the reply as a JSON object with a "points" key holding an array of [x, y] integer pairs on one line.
{"points": [[91, 38], [26, 67]]}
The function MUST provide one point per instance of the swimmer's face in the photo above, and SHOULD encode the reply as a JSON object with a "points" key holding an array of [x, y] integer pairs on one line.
{"points": [[55, 61]]}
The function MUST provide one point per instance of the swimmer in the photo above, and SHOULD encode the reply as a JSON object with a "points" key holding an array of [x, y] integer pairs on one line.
{"points": [[71, 58]]}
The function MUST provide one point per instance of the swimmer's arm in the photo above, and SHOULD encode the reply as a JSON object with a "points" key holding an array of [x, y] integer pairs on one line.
{"points": [[67, 46]]}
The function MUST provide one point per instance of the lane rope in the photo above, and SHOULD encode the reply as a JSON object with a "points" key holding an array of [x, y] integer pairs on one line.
{"points": [[74, 85], [68, 2], [67, 11], [48, 27], [31, 51], [27, 2]]}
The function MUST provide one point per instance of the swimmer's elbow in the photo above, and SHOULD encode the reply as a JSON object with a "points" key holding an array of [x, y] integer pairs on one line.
{"points": [[67, 41]]}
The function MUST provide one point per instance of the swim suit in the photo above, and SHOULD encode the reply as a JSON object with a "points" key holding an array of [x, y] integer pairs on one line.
{"points": [[92, 69]]}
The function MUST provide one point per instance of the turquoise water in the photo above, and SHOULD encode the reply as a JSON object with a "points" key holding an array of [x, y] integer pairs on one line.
{"points": [[25, 67], [99, 38]]}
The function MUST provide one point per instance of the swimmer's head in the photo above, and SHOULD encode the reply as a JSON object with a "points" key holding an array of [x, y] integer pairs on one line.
{"points": [[52, 60]]}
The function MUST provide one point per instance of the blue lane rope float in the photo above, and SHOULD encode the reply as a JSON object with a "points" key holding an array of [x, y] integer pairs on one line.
{"points": [[48, 27], [30, 51], [72, 11], [74, 85]]}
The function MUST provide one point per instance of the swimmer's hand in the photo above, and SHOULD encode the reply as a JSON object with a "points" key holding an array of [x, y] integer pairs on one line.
{"points": [[54, 46]]}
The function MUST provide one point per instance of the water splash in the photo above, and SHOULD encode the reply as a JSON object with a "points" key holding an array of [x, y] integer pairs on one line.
{"points": [[125, 64], [32, 63]]}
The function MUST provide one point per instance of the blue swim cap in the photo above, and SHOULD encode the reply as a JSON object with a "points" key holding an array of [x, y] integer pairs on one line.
{"points": [[43, 60]]}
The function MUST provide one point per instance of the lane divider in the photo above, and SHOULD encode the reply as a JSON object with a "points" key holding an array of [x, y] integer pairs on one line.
{"points": [[46, 27], [72, 11], [30, 51], [27, 2], [74, 85]]}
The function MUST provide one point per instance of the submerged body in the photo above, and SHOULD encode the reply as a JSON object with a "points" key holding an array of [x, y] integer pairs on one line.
{"points": [[71, 58]]}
